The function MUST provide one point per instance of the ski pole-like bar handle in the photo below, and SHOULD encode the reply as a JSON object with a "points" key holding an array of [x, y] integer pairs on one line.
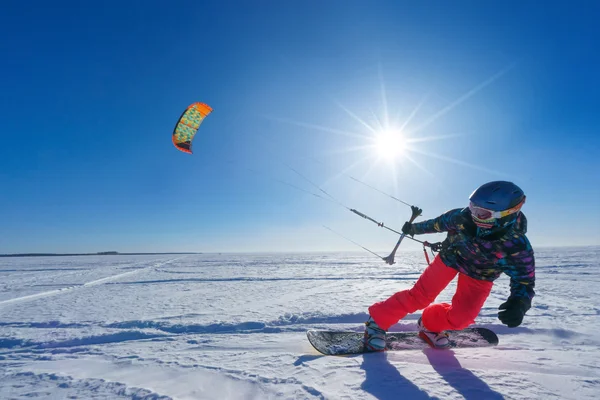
{"points": [[416, 211]]}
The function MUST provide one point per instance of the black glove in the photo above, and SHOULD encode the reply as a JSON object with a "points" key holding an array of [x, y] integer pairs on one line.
{"points": [[512, 311], [408, 229]]}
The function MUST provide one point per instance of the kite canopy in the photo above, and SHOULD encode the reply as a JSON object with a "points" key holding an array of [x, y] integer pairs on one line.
{"points": [[188, 125]]}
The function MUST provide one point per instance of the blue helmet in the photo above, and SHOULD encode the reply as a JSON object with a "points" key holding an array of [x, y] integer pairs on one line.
{"points": [[496, 204]]}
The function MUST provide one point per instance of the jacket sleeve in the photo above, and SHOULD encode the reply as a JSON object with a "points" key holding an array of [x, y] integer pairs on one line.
{"points": [[443, 223], [520, 267]]}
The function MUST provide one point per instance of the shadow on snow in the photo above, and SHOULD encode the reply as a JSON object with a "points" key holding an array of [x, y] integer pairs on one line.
{"points": [[384, 381]]}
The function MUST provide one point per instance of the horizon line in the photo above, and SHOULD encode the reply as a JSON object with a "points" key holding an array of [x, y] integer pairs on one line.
{"points": [[115, 253]]}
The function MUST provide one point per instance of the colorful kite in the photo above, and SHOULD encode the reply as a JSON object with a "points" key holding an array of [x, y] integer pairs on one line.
{"points": [[188, 125]]}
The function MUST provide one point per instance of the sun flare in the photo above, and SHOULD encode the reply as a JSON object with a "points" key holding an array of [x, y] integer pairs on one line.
{"points": [[385, 137], [389, 144]]}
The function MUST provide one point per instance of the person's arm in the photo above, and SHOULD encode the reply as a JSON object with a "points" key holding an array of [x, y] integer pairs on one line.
{"points": [[520, 267], [443, 223], [522, 275]]}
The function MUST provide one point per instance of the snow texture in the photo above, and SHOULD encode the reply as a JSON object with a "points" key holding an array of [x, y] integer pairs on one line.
{"points": [[234, 327]]}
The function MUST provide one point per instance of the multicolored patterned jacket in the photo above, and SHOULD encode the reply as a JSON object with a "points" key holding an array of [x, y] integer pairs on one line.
{"points": [[485, 257]]}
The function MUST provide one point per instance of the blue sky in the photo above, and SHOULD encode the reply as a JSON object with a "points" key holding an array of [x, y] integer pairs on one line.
{"points": [[91, 93]]}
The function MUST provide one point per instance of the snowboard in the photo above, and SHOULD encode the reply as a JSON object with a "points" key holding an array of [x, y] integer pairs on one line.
{"points": [[345, 343]]}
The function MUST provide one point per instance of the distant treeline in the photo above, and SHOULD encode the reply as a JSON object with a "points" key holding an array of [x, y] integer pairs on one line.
{"points": [[102, 253]]}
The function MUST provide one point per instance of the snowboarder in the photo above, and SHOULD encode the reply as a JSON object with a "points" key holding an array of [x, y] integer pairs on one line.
{"points": [[484, 240]]}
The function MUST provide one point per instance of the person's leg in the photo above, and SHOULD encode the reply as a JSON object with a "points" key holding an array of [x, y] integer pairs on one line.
{"points": [[429, 285], [466, 303]]}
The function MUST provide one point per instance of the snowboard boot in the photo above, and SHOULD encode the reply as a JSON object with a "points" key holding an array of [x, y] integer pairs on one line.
{"points": [[374, 339], [434, 339]]}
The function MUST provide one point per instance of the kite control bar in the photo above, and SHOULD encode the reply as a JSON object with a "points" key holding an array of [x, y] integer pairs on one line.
{"points": [[416, 211]]}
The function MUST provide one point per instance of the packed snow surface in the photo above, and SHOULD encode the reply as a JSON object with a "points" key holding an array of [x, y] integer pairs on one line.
{"points": [[213, 326]]}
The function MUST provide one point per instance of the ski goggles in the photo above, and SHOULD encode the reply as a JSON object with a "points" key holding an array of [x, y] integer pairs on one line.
{"points": [[483, 215]]}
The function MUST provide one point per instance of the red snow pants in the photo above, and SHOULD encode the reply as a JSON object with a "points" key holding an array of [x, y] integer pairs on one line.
{"points": [[466, 303]]}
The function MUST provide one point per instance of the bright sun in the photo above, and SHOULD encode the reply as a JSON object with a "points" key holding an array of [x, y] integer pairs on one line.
{"points": [[389, 144]]}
